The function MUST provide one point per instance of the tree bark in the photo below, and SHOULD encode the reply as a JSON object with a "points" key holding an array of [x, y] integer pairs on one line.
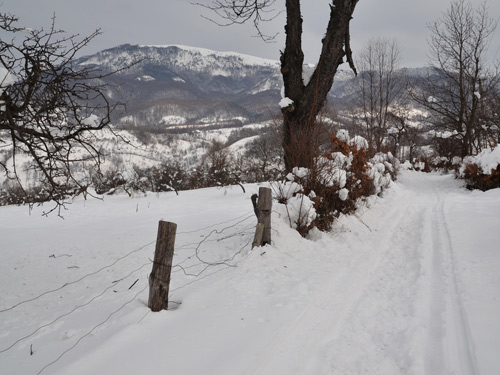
{"points": [[299, 119]]}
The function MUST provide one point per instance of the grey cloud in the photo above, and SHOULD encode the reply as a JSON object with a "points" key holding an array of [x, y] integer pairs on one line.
{"points": [[180, 22]]}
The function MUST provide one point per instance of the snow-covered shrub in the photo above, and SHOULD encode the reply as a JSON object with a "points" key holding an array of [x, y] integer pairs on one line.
{"points": [[483, 170], [343, 178], [168, 177], [428, 163], [296, 207], [383, 170], [12, 193], [108, 182], [301, 212], [338, 180]]}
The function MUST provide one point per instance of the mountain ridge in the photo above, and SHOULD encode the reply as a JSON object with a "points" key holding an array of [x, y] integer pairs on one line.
{"points": [[199, 85], [172, 85]]}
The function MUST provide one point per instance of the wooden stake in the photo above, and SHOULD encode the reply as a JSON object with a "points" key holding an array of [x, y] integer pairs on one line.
{"points": [[263, 208], [259, 232], [159, 279]]}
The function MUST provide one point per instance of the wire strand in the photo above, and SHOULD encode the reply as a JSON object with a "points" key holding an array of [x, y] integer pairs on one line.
{"points": [[73, 310], [92, 330], [78, 280]]}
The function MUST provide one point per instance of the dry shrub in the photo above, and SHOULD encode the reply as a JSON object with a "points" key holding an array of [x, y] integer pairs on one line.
{"points": [[476, 179], [108, 182], [12, 193], [335, 184], [329, 201]]}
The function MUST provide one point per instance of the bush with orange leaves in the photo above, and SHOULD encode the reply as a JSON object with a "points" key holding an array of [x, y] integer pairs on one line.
{"points": [[482, 171], [340, 179], [476, 179]]}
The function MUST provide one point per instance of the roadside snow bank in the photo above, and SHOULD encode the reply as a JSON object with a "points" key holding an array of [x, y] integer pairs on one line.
{"points": [[487, 160], [483, 170]]}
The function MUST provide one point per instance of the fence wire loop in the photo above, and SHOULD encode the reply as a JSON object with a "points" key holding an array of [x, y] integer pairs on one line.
{"points": [[195, 265]]}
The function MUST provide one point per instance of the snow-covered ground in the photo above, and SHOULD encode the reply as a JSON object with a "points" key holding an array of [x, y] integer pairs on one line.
{"points": [[408, 285]]}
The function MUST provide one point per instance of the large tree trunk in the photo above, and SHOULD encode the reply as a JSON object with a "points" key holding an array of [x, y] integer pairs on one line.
{"points": [[299, 119]]}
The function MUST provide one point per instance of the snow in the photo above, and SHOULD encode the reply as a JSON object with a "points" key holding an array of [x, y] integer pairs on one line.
{"points": [[173, 120], [343, 135], [285, 102], [360, 142], [488, 160], [299, 210], [248, 59], [300, 172], [262, 86], [91, 120], [307, 72], [240, 147], [407, 285], [343, 194], [145, 78]]}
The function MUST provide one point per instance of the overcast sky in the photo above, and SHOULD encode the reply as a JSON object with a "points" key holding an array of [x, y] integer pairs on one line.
{"points": [[180, 22]]}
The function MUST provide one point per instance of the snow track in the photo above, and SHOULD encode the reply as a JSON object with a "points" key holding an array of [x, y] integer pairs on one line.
{"points": [[378, 285], [460, 355], [397, 311]]}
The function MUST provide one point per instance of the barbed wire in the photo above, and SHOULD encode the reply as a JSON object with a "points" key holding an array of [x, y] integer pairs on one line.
{"points": [[211, 237], [78, 280], [193, 266], [73, 310], [197, 279], [93, 329], [207, 265], [246, 216]]}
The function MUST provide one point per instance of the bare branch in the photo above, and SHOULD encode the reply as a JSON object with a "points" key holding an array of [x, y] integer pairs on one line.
{"points": [[232, 12], [50, 109], [462, 90]]}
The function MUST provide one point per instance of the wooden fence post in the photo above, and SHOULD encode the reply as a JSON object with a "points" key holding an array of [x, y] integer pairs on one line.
{"points": [[159, 279], [262, 205]]}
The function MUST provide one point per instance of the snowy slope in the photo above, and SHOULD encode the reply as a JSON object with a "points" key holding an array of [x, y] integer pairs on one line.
{"points": [[409, 285]]}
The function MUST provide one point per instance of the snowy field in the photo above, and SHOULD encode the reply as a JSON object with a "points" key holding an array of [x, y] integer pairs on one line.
{"points": [[408, 285]]}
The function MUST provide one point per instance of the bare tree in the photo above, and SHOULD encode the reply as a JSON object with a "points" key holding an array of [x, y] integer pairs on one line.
{"points": [[403, 138], [463, 85], [306, 98], [380, 88], [217, 156], [265, 155], [50, 109]]}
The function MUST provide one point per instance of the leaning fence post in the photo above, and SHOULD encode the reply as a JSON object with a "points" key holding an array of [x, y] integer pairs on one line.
{"points": [[159, 279], [262, 205]]}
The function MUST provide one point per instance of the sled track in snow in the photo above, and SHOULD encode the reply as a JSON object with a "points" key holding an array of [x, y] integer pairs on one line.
{"points": [[459, 343], [380, 282], [400, 306]]}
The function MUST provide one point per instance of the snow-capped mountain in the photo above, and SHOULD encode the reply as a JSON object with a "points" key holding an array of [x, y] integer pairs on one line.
{"points": [[178, 85], [175, 85]]}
